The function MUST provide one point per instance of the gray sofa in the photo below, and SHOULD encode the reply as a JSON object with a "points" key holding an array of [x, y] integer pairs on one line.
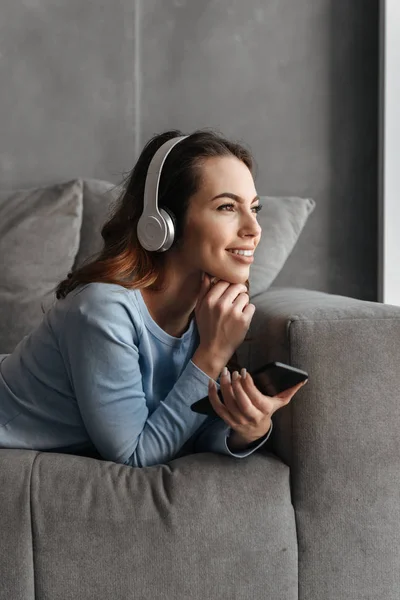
{"points": [[314, 514]]}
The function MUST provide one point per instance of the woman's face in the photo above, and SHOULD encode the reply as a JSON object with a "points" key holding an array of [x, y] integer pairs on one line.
{"points": [[215, 225]]}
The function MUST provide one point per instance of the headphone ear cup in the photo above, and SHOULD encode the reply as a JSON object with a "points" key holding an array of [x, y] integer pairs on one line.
{"points": [[171, 214], [170, 221]]}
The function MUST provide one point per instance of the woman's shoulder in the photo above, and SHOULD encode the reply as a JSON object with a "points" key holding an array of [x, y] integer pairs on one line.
{"points": [[99, 300], [96, 291], [95, 314]]}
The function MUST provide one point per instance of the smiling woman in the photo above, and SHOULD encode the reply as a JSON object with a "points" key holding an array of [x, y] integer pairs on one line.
{"points": [[138, 331], [199, 172]]}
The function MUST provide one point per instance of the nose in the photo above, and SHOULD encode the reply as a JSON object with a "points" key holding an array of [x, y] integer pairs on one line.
{"points": [[250, 227]]}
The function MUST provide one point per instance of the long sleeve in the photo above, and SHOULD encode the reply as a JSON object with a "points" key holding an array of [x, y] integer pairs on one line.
{"points": [[100, 348], [213, 435]]}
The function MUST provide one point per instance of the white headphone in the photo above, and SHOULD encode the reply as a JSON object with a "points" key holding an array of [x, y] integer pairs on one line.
{"points": [[156, 227]]}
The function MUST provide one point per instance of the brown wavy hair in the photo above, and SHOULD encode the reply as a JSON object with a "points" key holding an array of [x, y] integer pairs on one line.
{"points": [[123, 260]]}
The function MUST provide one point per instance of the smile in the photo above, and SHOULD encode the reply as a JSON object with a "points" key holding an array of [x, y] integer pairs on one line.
{"points": [[244, 258]]}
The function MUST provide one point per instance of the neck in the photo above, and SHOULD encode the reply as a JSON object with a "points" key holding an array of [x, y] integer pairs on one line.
{"points": [[173, 308]]}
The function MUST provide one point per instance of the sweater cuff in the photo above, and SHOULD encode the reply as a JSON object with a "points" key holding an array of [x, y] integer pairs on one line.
{"points": [[214, 435], [192, 370], [252, 447]]}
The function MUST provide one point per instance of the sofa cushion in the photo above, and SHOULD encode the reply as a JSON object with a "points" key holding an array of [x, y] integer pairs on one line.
{"points": [[17, 572], [202, 526], [39, 239], [282, 220]]}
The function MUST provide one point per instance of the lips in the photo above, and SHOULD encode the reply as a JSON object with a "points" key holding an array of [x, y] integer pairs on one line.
{"points": [[241, 258], [248, 249]]}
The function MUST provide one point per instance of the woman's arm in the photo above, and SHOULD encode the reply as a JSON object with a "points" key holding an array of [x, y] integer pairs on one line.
{"points": [[99, 344]]}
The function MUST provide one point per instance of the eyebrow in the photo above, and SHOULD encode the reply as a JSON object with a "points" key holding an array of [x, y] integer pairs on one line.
{"points": [[233, 197]]}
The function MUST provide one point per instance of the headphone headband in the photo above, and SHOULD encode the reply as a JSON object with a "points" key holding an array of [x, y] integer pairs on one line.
{"points": [[155, 228], [153, 176]]}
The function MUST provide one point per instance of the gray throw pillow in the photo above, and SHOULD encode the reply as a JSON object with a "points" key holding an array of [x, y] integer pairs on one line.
{"points": [[98, 201], [282, 221], [39, 239]]}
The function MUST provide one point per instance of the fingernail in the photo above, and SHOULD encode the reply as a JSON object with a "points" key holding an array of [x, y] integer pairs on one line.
{"points": [[243, 373], [225, 373], [211, 384], [235, 375], [304, 382], [202, 276]]}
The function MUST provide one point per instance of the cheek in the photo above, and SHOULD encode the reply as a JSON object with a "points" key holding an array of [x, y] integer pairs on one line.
{"points": [[207, 237], [217, 233]]}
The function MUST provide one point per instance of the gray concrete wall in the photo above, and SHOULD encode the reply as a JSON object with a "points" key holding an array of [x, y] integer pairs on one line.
{"points": [[85, 84]]}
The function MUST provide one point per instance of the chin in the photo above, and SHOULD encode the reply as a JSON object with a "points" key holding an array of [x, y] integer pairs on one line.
{"points": [[230, 277]]}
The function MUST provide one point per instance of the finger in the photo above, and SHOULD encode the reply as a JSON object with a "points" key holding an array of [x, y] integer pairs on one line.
{"points": [[232, 292], [230, 402], [217, 287], [228, 394], [244, 402], [217, 405], [261, 401]]}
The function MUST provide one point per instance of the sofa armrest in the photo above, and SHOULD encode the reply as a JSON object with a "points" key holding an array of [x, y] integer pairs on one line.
{"points": [[339, 434], [349, 347]]}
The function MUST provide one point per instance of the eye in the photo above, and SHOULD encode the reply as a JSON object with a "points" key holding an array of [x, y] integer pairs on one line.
{"points": [[255, 208]]}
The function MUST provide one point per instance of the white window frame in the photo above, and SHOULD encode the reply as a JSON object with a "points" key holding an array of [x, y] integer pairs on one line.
{"points": [[389, 154]]}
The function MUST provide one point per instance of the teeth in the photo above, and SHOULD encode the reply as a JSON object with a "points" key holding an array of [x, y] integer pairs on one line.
{"points": [[242, 252]]}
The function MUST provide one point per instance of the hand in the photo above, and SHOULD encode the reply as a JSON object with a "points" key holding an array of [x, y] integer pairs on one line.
{"points": [[223, 315], [245, 409]]}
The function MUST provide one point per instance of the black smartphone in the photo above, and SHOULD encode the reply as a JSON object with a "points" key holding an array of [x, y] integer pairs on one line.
{"points": [[271, 379]]}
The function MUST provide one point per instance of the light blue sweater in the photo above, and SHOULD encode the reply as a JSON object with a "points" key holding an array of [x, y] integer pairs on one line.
{"points": [[99, 372]]}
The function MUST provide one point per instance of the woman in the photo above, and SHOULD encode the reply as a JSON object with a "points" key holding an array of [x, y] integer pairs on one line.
{"points": [[136, 335]]}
